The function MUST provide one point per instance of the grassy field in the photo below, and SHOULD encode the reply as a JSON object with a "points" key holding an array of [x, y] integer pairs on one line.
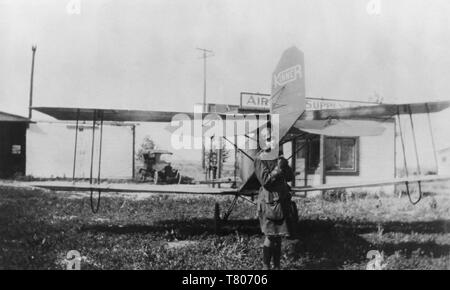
{"points": [[38, 228]]}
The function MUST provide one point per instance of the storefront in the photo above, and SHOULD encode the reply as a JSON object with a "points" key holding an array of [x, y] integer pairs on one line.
{"points": [[320, 159]]}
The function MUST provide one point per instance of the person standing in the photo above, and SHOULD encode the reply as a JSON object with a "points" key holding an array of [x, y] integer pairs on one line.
{"points": [[274, 204]]}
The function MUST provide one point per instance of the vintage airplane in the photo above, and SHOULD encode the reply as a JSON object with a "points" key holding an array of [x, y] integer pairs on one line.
{"points": [[288, 103]]}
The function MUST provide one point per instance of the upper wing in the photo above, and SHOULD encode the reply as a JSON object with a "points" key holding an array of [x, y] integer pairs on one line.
{"points": [[377, 111], [85, 114], [338, 128], [119, 115]]}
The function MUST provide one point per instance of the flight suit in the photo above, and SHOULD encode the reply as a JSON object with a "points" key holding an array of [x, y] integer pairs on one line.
{"points": [[274, 205], [274, 197]]}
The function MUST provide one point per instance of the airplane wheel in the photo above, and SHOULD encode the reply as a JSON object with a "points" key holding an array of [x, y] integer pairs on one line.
{"points": [[217, 220]]}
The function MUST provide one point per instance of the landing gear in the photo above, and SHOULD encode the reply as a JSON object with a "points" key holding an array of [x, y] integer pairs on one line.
{"points": [[218, 221]]}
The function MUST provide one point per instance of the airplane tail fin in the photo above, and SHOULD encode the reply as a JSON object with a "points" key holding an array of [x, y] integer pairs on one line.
{"points": [[288, 89], [287, 102]]}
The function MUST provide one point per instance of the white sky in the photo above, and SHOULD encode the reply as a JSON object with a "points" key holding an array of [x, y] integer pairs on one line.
{"points": [[141, 54]]}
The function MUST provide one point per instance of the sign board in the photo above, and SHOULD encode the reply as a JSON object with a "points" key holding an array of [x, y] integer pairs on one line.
{"points": [[323, 104], [262, 102], [255, 101]]}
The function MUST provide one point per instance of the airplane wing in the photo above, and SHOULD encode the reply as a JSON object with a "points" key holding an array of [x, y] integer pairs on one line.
{"points": [[134, 188], [331, 122], [120, 115], [365, 112], [335, 127], [87, 114], [376, 111], [374, 183]]}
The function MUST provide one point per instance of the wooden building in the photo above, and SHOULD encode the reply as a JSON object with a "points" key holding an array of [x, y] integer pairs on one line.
{"points": [[12, 145]]}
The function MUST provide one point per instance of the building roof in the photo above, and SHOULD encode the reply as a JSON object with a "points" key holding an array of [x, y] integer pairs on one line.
{"points": [[7, 117]]}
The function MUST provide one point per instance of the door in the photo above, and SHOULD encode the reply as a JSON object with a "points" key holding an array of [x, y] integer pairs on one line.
{"points": [[12, 149]]}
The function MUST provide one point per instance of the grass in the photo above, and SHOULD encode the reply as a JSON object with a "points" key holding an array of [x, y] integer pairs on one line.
{"points": [[38, 228]]}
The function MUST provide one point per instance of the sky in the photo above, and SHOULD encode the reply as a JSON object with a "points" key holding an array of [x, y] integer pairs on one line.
{"points": [[142, 54]]}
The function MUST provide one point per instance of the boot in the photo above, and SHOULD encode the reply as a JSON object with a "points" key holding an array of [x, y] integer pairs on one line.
{"points": [[276, 254], [267, 256]]}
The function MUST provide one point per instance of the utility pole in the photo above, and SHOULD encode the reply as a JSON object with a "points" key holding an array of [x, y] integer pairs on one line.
{"points": [[33, 49], [206, 53]]}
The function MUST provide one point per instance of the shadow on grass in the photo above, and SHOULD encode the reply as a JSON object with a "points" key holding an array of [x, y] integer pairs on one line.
{"points": [[186, 228], [409, 248], [331, 244], [420, 227], [326, 244]]}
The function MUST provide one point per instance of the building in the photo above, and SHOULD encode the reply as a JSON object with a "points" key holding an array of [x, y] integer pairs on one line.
{"points": [[319, 159], [12, 145], [50, 150]]}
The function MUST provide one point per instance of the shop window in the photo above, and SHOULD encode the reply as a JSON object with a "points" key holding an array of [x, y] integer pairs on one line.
{"points": [[341, 155]]}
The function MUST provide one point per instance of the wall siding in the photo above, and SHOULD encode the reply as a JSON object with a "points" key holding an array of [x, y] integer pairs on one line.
{"points": [[50, 151]]}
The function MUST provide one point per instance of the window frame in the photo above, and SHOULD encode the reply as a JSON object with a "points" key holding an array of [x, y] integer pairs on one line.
{"points": [[345, 172]]}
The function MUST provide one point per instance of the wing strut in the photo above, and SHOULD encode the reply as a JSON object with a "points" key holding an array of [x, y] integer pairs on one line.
{"points": [[234, 185], [75, 147], [404, 156], [414, 139], [92, 145], [236, 147], [432, 137], [100, 148], [403, 146], [91, 179], [94, 119]]}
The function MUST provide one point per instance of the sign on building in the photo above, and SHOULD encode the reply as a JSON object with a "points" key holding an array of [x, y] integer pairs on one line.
{"points": [[259, 101], [255, 101], [323, 104]]}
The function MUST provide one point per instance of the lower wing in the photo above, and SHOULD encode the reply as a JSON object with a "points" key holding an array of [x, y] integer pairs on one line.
{"points": [[413, 179], [134, 188]]}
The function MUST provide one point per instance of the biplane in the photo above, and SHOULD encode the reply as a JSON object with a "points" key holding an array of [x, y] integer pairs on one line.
{"points": [[287, 101]]}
